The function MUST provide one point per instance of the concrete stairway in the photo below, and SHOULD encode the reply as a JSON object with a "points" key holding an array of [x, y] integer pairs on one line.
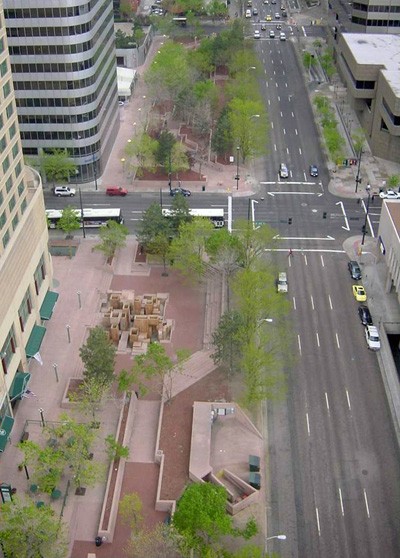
{"points": [[195, 368]]}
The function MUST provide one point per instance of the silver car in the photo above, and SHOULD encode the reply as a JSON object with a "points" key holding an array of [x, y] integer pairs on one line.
{"points": [[283, 171]]}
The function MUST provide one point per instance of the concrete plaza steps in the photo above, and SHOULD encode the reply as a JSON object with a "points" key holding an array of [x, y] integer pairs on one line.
{"points": [[194, 369]]}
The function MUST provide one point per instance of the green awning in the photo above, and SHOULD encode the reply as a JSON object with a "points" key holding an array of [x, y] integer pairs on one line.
{"points": [[5, 431], [35, 340], [19, 385], [46, 310]]}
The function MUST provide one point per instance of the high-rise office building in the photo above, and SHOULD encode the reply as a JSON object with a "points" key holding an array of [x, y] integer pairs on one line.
{"points": [[25, 264], [65, 79], [375, 16]]}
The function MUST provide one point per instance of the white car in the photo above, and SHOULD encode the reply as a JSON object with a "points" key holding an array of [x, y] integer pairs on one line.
{"points": [[283, 171], [272, 34], [277, 15], [64, 191], [389, 195], [372, 337], [282, 36], [282, 283], [248, 13], [257, 34]]}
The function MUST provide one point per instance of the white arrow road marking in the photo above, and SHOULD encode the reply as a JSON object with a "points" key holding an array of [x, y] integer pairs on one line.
{"points": [[346, 228]]}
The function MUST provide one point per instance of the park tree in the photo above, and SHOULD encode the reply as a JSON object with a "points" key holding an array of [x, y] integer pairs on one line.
{"points": [[57, 166], [227, 341], [140, 153], [169, 73], [309, 60], [98, 357], [249, 129], [166, 141], [393, 181], [222, 140], [180, 213], [126, 10], [130, 510], [251, 242], [27, 531], [46, 465], [217, 9], [89, 398], [179, 158], [113, 237], [159, 542], [156, 365], [244, 62], [358, 138], [68, 223], [152, 225], [201, 514], [115, 450], [188, 249], [160, 246]]}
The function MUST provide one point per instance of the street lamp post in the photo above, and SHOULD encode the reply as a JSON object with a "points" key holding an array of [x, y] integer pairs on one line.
{"points": [[358, 179], [237, 167], [364, 229], [279, 537], [95, 172]]}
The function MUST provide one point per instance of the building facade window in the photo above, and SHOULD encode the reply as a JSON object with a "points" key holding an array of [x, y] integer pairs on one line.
{"points": [[6, 239], [24, 205], [9, 110], [6, 89], [15, 150], [3, 219], [3, 144], [6, 164], [21, 188], [12, 131], [18, 169], [39, 275], [15, 221], [9, 184], [8, 350], [11, 203], [25, 309], [3, 68]]}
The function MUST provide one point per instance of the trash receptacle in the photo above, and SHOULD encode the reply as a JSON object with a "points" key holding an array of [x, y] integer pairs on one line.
{"points": [[203, 188], [98, 541]]}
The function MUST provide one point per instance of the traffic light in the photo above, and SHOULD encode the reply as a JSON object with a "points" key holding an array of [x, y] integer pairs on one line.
{"points": [[289, 221]]}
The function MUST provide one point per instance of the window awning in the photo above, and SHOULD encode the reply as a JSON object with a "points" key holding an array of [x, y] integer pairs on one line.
{"points": [[35, 340], [46, 310], [19, 385], [5, 431]]}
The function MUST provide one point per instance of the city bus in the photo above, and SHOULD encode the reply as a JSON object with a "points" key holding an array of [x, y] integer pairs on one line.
{"points": [[93, 218], [216, 215]]}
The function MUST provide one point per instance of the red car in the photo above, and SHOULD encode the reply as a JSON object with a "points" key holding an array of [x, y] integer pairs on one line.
{"points": [[115, 191]]}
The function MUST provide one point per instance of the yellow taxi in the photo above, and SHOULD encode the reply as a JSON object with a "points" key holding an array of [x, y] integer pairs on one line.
{"points": [[359, 293], [268, 18]]}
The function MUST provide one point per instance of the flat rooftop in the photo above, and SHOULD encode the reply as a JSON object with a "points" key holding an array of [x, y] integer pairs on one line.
{"points": [[379, 50]]}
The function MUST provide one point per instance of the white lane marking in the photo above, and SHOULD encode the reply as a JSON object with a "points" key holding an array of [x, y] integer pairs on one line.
{"points": [[275, 147], [322, 260], [287, 150], [308, 424], [272, 125], [327, 401], [330, 302], [299, 342], [300, 150], [346, 228], [318, 524], [269, 102], [292, 115], [312, 302], [284, 131], [278, 237], [366, 503], [266, 83], [348, 400], [305, 259], [295, 131], [294, 303], [274, 73], [279, 99], [326, 250], [285, 83], [290, 262], [281, 114], [290, 182], [304, 31], [305, 176], [337, 340], [317, 339], [292, 193], [341, 501], [276, 84]]}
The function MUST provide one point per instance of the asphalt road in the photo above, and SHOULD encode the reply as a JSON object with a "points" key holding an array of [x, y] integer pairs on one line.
{"points": [[333, 467]]}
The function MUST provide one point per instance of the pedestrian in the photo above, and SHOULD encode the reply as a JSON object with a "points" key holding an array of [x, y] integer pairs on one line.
{"points": [[358, 201], [372, 198], [290, 252]]}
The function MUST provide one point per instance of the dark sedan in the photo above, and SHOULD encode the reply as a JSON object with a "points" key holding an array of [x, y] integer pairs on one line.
{"points": [[365, 315], [354, 270], [313, 170], [182, 191]]}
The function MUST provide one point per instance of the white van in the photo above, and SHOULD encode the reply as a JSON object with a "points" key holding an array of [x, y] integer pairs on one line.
{"points": [[64, 191], [282, 283], [248, 13]]}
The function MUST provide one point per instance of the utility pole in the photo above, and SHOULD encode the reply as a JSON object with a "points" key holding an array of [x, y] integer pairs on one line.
{"points": [[358, 179], [364, 229]]}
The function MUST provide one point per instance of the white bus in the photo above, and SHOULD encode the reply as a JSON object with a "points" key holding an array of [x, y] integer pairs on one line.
{"points": [[93, 218], [216, 215]]}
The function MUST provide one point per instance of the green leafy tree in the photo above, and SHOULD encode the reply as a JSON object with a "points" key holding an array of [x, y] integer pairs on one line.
{"points": [[90, 397], [141, 153], [126, 9], [159, 542], [160, 246], [222, 140], [251, 242], [248, 124], [169, 73], [180, 213], [113, 237], [130, 510], [46, 464], [152, 225], [201, 514], [115, 450], [250, 551], [166, 142], [227, 340], [309, 60], [393, 181], [57, 166], [217, 9], [188, 249], [98, 357], [30, 532], [179, 158], [68, 223]]}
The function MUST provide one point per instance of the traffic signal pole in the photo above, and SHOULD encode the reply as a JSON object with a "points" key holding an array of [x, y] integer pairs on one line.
{"points": [[358, 179]]}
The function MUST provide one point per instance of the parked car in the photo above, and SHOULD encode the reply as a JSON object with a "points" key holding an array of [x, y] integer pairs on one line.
{"points": [[282, 283], [359, 293], [283, 171], [313, 170], [272, 34], [182, 191], [389, 195], [255, 12], [248, 13], [354, 270], [277, 15], [282, 36], [365, 315], [115, 191], [64, 191], [372, 338], [257, 34]]}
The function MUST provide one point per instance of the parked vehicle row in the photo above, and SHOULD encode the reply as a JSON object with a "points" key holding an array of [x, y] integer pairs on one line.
{"points": [[284, 171]]}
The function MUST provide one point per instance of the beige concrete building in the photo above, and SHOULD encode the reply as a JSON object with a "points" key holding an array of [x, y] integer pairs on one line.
{"points": [[389, 243], [25, 265], [370, 67], [375, 16]]}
